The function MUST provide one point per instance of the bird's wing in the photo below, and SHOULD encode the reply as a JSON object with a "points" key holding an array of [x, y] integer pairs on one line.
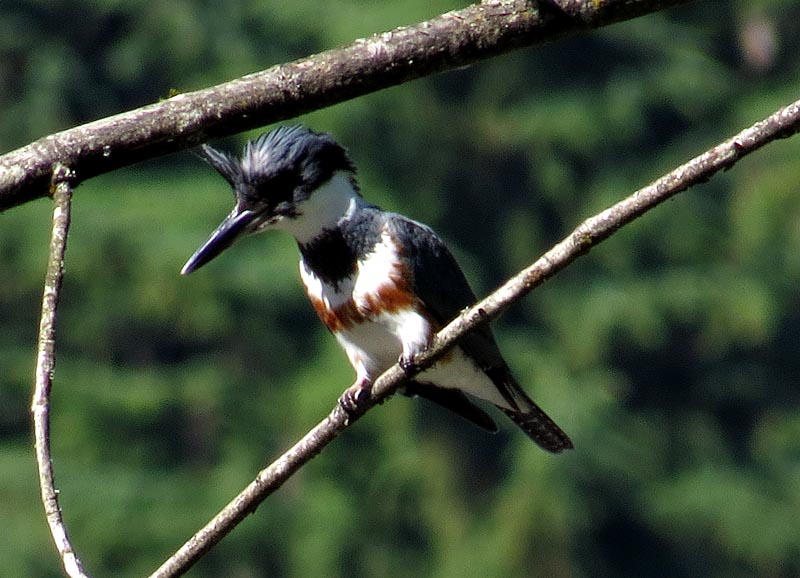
{"points": [[454, 400], [439, 283]]}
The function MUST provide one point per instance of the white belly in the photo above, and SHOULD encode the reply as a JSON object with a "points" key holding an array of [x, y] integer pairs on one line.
{"points": [[374, 346]]}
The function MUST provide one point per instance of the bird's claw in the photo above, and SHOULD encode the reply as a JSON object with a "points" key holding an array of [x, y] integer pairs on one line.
{"points": [[407, 362], [352, 400]]}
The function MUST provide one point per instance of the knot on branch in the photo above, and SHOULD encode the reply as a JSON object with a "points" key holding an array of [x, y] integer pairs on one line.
{"points": [[62, 174]]}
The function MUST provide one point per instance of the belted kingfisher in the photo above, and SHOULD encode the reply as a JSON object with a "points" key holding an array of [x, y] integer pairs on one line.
{"points": [[382, 283]]}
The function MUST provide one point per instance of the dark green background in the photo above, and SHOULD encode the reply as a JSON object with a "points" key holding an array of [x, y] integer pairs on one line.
{"points": [[669, 353]]}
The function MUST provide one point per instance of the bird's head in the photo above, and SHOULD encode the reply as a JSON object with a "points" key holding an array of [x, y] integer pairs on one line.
{"points": [[291, 178]]}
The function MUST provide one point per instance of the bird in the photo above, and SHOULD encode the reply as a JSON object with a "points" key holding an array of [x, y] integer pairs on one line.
{"points": [[382, 283]]}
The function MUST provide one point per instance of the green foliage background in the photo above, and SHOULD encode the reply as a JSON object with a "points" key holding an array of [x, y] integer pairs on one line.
{"points": [[670, 353]]}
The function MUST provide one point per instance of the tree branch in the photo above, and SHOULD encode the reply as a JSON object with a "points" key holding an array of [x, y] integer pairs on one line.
{"points": [[783, 123], [45, 366], [448, 41]]}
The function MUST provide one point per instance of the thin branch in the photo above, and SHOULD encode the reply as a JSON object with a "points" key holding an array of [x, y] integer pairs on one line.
{"points": [[446, 42], [45, 366], [783, 123]]}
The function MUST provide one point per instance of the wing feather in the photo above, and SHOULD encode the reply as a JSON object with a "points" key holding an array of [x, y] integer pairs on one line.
{"points": [[444, 290]]}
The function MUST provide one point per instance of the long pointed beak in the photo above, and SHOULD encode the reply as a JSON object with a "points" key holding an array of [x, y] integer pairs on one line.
{"points": [[235, 225]]}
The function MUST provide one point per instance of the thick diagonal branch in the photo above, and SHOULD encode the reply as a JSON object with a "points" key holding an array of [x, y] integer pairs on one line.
{"points": [[783, 123], [446, 42], [45, 365]]}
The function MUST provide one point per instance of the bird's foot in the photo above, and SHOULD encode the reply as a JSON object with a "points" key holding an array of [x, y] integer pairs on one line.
{"points": [[407, 362], [352, 400]]}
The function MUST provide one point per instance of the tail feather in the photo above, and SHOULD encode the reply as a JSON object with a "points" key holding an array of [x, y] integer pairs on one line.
{"points": [[540, 428], [524, 412]]}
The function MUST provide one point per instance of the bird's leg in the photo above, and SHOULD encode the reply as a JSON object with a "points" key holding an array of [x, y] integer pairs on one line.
{"points": [[355, 395]]}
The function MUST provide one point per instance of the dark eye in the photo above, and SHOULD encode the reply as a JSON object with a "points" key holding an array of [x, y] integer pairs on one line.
{"points": [[283, 184], [276, 192]]}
